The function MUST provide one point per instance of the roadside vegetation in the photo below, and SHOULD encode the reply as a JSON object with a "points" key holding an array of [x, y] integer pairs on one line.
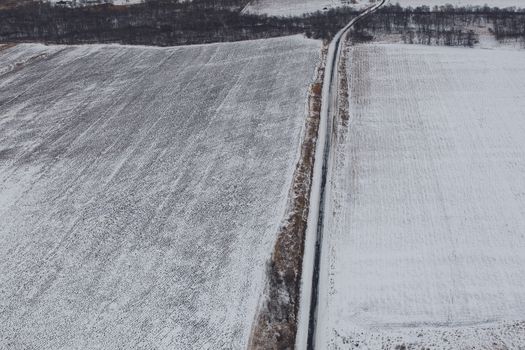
{"points": [[276, 323]]}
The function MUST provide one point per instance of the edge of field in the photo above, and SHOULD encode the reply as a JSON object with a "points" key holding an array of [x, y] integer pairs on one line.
{"points": [[276, 321]]}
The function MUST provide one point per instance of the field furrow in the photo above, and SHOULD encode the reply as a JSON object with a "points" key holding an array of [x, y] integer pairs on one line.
{"points": [[141, 189], [423, 239]]}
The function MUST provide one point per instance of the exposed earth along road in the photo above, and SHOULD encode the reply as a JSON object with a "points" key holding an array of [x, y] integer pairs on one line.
{"points": [[328, 112]]}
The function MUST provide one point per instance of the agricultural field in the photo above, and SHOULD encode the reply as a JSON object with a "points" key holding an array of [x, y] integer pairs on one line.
{"points": [[141, 189], [491, 3], [301, 7], [298, 7], [423, 237]]}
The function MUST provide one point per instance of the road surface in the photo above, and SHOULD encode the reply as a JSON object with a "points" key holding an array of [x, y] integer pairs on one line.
{"points": [[308, 315]]}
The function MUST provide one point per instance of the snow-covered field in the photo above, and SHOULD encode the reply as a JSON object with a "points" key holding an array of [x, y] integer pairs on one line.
{"points": [[492, 3], [424, 236], [114, 2], [141, 190], [298, 7]]}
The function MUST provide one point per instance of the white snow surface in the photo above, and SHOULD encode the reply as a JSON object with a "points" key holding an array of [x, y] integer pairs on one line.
{"points": [[300, 7], [114, 2], [286, 8], [141, 189], [126, 2], [491, 3], [424, 233]]}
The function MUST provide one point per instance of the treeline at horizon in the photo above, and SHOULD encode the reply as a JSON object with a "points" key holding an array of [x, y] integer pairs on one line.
{"points": [[162, 23], [443, 25], [172, 22]]}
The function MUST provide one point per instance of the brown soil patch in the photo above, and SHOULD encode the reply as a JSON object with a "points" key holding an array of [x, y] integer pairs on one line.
{"points": [[6, 46]]}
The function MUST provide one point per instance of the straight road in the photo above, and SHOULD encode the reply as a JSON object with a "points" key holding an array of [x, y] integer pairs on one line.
{"points": [[328, 113]]}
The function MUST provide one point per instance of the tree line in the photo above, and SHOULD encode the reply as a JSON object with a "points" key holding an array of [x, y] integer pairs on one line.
{"points": [[174, 22], [443, 25], [159, 22]]}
